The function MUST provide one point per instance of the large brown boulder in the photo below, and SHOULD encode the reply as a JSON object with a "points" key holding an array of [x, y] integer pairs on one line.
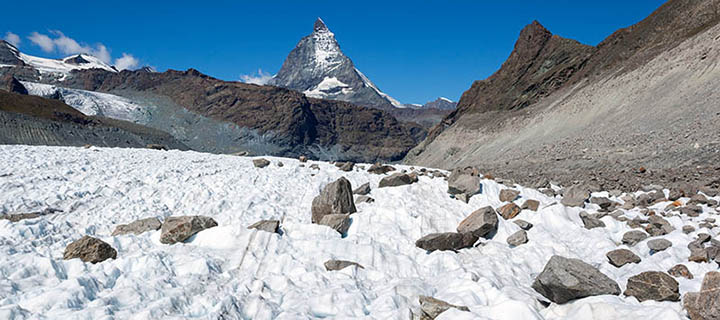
{"points": [[179, 229], [335, 198], [705, 305], [481, 223], [653, 285], [89, 249]]}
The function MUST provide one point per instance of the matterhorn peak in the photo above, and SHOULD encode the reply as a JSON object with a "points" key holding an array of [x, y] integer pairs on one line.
{"points": [[320, 25]]}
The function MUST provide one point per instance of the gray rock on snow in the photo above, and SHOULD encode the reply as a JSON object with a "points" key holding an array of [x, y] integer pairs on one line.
{"points": [[517, 238], [138, 227], [530, 205], [481, 223], [632, 237], [335, 198], [363, 189], [621, 257], [180, 228], [523, 224], [364, 199], [565, 279], [446, 241], [432, 307], [653, 285], [575, 196], [463, 182], [335, 265], [272, 226], [339, 222], [89, 249], [397, 179], [705, 304], [657, 245], [507, 195], [261, 163]]}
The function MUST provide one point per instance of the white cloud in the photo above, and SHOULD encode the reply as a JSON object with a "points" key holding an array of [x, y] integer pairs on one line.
{"points": [[12, 38], [69, 46], [259, 78], [45, 43], [127, 61]]}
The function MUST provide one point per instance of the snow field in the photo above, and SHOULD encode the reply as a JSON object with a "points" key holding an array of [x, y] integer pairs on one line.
{"points": [[235, 273]]}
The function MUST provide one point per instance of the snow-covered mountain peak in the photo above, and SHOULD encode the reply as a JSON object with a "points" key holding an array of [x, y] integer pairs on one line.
{"points": [[10, 56], [320, 25]]}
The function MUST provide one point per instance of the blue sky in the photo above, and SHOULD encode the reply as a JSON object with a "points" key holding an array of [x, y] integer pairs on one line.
{"points": [[413, 50]]}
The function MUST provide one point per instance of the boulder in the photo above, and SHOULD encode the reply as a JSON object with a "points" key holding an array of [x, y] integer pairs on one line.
{"points": [[523, 224], [517, 238], [339, 222], [603, 202], [680, 270], [138, 227], [507, 195], [481, 223], [280, 164], [179, 229], [575, 196], [364, 199], [463, 182], [446, 241], [591, 221], [706, 303], [565, 279], [431, 307], [688, 229], [621, 257], [335, 265], [657, 245], [363, 189], [653, 285], [380, 169], [397, 179], [261, 163], [347, 166], [335, 198], [509, 211], [658, 226], [530, 205], [272, 226], [89, 249], [631, 238]]}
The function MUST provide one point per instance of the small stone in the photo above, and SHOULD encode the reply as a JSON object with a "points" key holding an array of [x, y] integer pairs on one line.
{"points": [[153, 146], [335, 265], [363, 189], [138, 227], [397, 179], [507, 195], [621, 257], [509, 211], [658, 226], [89, 249], [657, 245], [347, 166], [179, 229], [280, 164], [680, 270], [432, 308], [653, 285], [261, 163], [706, 303], [380, 169], [530, 205], [271, 226], [364, 199], [603, 202], [590, 221], [523, 224], [446, 241], [698, 199], [303, 159], [517, 238], [688, 229], [565, 279], [631, 238], [339, 222], [314, 166], [481, 223]]}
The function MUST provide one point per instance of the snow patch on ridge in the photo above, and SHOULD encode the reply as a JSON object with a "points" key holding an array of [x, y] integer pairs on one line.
{"points": [[390, 99], [62, 67], [329, 86]]}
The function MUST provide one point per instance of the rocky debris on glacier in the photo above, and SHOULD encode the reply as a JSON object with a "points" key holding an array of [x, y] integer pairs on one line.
{"points": [[364, 199], [633, 237], [657, 245], [363, 189], [591, 221], [509, 211], [517, 238], [621, 257], [335, 265], [337, 221], [523, 224], [378, 168], [272, 226], [446, 241], [180, 228], [89, 249], [464, 183], [507, 195], [431, 307], [575, 196], [15, 217], [653, 285], [705, 304], [138, 227], [398, 179], [565, 279], [680, 270], [481, 223], [530, 204], [261, 163], [335, 198]]}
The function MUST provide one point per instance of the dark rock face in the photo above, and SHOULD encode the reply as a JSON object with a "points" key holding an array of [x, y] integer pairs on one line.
{"points": [[446, 241], [621, 257], [334, 265], [9, 83], [481, 223], [653, 285], [317, 67], [335, 198], [138, 227], [179, 229], [431, 307], [272, 226], [565, 279], [89, 249], [397, 179], [9, 54], [440, 104], [706, 303]]}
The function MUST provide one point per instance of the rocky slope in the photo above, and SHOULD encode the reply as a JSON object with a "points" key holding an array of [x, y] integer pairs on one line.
{"points": [[645, 98], [39, 121]]}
